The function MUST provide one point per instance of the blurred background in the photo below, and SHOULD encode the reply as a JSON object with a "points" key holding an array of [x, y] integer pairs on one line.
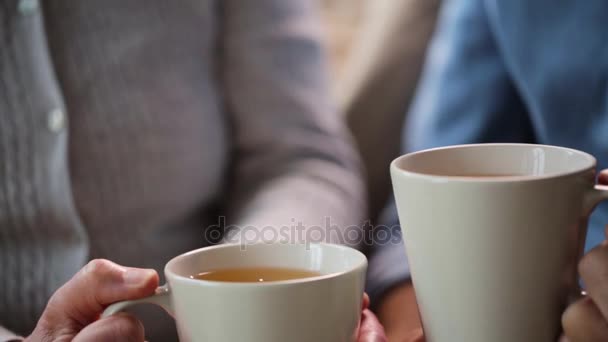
{"points": [[377, 50], [341, 19]]}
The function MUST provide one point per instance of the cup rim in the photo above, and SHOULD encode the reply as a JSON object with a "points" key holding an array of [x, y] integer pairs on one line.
{"points": [[358, 267], [591, 164]]}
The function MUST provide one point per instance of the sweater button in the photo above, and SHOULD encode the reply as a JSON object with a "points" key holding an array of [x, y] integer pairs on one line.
{"points": [[56, 120]]}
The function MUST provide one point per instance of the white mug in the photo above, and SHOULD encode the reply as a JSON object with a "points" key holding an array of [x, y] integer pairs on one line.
{"points": [[493, 235], [325, 308]]}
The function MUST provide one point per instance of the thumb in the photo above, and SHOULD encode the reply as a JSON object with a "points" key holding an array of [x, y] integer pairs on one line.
{"points": [[121, 327], [82, 299], [365, 303], [370, 330]]}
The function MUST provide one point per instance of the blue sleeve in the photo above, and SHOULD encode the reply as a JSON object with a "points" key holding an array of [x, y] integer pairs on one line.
{"points": [[387, 261], [465, 96]]}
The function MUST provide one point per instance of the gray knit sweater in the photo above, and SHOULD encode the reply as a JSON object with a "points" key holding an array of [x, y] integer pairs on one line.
{"points": [[127, 127]]}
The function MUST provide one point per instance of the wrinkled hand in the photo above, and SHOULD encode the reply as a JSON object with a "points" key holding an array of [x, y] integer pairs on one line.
{"points": [[587, 319], [370, 330], [72, 312]]}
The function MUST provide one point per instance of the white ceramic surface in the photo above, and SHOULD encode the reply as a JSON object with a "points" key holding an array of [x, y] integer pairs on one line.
{"points": [[322, 309], [494, 259]]}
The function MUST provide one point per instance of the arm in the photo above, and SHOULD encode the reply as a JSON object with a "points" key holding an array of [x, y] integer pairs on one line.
{"points": [[465, 96], [293, 160]]}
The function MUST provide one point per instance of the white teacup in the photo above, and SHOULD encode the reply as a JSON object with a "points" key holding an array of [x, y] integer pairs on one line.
{"points": [[493, 234], [325, 308]]}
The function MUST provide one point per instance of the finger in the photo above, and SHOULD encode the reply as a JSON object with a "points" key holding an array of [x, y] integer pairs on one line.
{"points": [[365, 303], [603, 177], [98, 284], [583, 321], [593, 269], [371, 330], [121, 327]]}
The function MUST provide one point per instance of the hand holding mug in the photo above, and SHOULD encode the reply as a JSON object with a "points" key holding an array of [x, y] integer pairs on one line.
{"points": [[587, 318], [72, 312], [325, 307], [493, 234]]}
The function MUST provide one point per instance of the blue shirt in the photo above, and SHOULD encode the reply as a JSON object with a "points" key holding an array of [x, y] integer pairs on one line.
{"points": [[509, 71]]}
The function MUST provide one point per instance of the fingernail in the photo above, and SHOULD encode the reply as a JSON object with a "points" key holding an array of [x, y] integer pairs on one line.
{"points": [[137, 276]]}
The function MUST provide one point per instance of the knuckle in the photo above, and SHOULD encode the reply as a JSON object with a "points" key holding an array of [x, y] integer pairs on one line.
{"points": [[99, 266], [570, 319], [583, 321], [592, 261], [101, 269], [570, 314]]}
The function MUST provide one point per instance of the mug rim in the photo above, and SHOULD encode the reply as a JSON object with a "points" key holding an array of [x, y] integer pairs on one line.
{"points": [[360, 266], [591, 164]]}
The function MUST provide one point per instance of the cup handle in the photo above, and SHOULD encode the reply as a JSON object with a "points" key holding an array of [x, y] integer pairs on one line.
{"points": [[595, 196], [161, 297], [598, 194]]}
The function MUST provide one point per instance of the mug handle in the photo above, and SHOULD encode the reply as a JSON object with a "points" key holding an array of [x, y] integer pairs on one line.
{"points": [[161, 297], [598, 194], [595, 196]]}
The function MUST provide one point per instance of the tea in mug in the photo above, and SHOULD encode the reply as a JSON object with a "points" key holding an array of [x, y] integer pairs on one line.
{"points": [[486, 175], [255, 274]]}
